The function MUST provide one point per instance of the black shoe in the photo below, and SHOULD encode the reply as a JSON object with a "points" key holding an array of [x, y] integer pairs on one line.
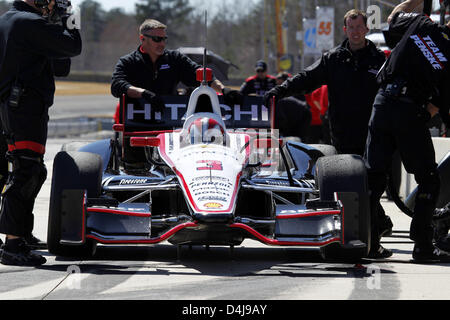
{"points": [[34, 243], [429, 253], [385, 229], [19, 254], [380, 253]]}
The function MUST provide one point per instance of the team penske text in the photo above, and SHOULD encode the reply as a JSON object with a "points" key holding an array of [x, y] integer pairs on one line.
{"points": [[430, 51]]}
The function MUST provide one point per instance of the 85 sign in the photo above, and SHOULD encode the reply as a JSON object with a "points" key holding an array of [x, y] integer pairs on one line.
{"points": [[325, 28]]}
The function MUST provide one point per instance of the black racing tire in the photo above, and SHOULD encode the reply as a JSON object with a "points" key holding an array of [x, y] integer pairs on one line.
{"points": [[292, 139], [326, 149], [74, 145], [72, 170], [346, 173]]}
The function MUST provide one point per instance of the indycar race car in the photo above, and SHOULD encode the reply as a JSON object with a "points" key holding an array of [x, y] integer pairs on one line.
{"points": [[217, 177]]}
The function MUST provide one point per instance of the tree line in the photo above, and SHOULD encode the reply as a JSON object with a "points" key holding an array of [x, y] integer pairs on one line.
{"points": [[239, 31]]}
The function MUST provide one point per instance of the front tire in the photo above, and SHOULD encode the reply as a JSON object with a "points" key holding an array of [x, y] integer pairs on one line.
{"points": [[71, 171], [346, 173]]}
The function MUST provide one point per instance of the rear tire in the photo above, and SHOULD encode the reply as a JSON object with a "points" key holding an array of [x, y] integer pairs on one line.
{"points": [[72, 170], [73, 146], [346, 173], [326, 149]]}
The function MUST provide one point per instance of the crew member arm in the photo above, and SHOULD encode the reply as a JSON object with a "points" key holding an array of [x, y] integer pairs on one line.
{"points": [[308, 80], [120, 83], [399, 25], [407, 6], [51, 40]]}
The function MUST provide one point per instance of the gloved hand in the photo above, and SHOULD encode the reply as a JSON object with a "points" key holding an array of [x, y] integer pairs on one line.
{"points": [[277, 93], [232, 97], [156, 101]]}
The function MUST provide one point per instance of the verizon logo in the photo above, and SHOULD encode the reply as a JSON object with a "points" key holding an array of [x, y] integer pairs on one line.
{"points": [[430, 51]]}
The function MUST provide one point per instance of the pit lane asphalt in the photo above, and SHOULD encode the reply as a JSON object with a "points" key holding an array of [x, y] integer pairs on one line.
{"points": [[254, 272]]}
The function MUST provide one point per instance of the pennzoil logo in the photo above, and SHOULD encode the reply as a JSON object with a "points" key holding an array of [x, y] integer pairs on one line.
{"points": [[213, 205], [445, 36]]}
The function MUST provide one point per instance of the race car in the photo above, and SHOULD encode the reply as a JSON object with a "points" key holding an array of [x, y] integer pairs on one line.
{"points": [[218, 176]]}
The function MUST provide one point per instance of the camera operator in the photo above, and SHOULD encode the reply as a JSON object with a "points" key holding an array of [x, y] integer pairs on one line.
{"points": [[35, 46]]}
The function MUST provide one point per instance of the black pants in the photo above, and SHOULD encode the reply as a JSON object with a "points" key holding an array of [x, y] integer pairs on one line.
{"points": [[25, 130], [3, 160], [400, 125]]}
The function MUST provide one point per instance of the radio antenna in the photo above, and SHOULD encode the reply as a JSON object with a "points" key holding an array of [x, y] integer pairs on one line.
{"points": [[204, 82]]}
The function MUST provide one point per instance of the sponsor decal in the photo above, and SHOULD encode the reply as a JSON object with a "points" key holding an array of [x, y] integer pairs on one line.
{"points": [[132, 181], [164, 67], [209, 165], [407, 14], [252, 114], [430, 51], [213, 205]]}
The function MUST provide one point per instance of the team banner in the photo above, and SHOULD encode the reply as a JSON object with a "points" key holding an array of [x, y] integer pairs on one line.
{"points": [[138, 115]]}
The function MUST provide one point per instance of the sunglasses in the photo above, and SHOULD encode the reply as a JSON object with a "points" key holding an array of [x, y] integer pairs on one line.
{"points": [[155, 38]]}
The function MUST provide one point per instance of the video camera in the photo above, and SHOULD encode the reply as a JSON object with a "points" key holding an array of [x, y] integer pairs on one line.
{"points": [[60, 11], [62, 8]]}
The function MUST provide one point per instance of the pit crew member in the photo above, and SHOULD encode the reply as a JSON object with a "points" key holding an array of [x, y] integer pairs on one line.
{"points": [[350, 71], [152, 71], [414, 87], [260, 83]]}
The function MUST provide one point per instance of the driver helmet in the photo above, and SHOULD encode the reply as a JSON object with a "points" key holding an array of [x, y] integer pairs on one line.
{"points": [[206, 130]]}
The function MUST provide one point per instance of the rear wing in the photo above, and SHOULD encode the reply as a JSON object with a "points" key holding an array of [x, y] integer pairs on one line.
{"points": [[137, 114]]}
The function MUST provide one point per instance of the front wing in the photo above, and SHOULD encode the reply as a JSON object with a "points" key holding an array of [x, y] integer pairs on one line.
{"points": [[315, 224]]}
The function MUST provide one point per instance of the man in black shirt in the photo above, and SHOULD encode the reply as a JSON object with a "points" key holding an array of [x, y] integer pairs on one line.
{"points": [[414, 87], [350, 71], [32, 51], [152, 71], [260, 83]]}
